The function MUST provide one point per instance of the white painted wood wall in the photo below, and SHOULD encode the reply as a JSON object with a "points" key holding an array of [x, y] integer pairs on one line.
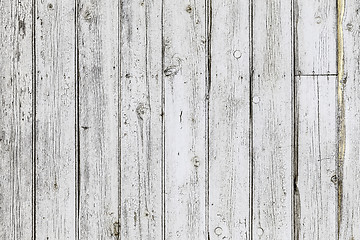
{"points": [[163, 119]]}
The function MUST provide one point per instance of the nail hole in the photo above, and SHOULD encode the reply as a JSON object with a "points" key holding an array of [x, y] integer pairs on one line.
{"points": [[237, 54], [218, 231]]}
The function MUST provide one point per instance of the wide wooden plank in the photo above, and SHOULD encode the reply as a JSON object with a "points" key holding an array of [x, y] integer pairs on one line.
{"points": [[272, 119], [98, 118], [316, 165], [348, 101], [185, 119], [229, 125], [16, 120], [315, 36], [55, 120], [141, 120]]}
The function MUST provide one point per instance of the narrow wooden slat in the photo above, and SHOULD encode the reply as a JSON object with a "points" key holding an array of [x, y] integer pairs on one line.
{"points": [[55, 120], [348, 95], [141, 120], [16, 120], [316, 176], [184, 81], [315, 36], [272, 119], [98, 119], [229, 124]]}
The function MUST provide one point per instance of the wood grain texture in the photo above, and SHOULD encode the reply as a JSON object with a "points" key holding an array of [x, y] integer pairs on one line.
{"points": [[98, 119], [55, 120], [16, 120], [141, 120], [229, 125], [348, 119], [161, 119], [317, 167], [315, 35], [185, 119], [272, 120]]}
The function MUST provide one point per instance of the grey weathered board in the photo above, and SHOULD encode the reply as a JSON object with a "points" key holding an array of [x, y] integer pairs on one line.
{"points": [[161, 119]]}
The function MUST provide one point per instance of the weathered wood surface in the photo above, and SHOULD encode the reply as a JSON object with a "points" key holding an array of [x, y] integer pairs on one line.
{"points": [[98, 94], [141, 120], [160, 119], [272, 119], [315, 35], [348, 101], [16, 120], [229, 121], [315, 124], [184, 76], [55, 120], [316, 165]]}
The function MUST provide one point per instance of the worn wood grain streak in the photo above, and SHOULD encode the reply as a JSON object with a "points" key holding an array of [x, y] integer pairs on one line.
{"points": [[185, 118], [317, 178], [141, 119], [16, 120], [229, 121], [272, 114], [55, 120], [349, 109], [98, 118], [315, 25]]}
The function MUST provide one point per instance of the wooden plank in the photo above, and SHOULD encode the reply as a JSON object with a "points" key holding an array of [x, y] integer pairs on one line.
{"points": [[348, 101], [55, 120], [98, 119], [229, 125], [141, 120], [272, 119], [316, 176], [16, 120], [315, 35], [185, 119]]}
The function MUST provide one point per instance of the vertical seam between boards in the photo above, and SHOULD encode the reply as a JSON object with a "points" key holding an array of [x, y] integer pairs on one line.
{"points": [[33, 120], [208, 28], [119, 122], [163, 211], [294, 126], [251, 152], [341, 128], [337, 124], [77, 131]]}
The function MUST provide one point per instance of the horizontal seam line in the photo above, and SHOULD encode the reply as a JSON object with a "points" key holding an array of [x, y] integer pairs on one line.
{"points": [[314, 75]]}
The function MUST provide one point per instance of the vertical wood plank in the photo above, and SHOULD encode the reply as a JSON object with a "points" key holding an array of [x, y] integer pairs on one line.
{"points": [[315, 37], [16, 120], [316, 177], [184, 81], [98, 118], [272, 119], [141, 119], [229, 124], [348, 94], [55, 120]]}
